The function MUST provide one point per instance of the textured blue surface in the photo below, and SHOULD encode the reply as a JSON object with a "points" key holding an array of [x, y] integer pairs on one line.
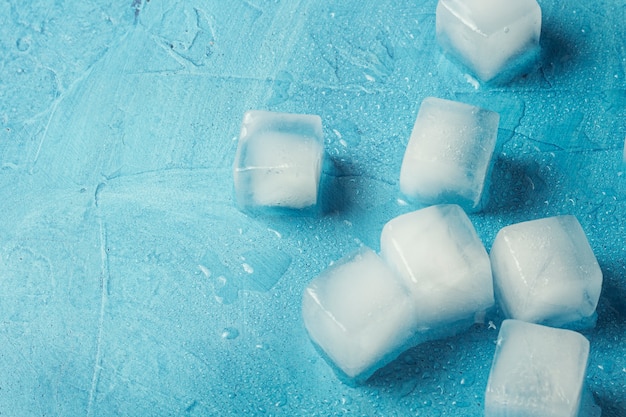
{"points": [[131, 285]]}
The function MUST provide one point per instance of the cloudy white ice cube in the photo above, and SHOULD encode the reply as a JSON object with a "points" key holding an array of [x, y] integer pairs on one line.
{"points": [[358, 313], [443, 263], [279, 160], [537, 371], [491, 37], [545, 271], [449, 152]]}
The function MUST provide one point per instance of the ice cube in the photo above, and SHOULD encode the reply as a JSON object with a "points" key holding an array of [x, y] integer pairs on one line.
{"points": [[449, 153], [537, 371], [545, 271], [278, 161], [358, 312], [492, 38], [443, 263]]}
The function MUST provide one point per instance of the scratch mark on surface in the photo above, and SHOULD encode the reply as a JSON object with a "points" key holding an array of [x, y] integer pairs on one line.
{"points": [[543, 142], [104, 284], [518, 122], [45, 133], [99, 189], [68, 92]]}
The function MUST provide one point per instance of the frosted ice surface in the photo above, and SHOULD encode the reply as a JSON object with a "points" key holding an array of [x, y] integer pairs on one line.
{"points": [[537, 371], [449, 153], [442, 261], [489, 36], [545, 271], [279, 160], [359, 313]]}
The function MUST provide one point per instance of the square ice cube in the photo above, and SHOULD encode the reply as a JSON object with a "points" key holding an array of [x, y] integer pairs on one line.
{"points": [[449, 153], [279, 160], [537, 371], [358, 313], [443, 263], [491, 37], [545, 271]]}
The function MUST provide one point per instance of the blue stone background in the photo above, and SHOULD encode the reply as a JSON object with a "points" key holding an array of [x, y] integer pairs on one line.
{"points": [[130, 284]]}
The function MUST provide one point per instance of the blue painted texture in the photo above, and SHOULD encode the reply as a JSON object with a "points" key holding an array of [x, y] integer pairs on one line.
{"points": [[130, 284]]}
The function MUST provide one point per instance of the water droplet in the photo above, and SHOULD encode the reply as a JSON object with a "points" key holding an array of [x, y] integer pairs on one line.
{"points": [[347, 133], [247, 268], [264, 269], [506, 29], [424, 404], [230, 333], [280, 401], [606, 366], [225, 292], [205, 270], [467, 381], [402, 202], [220, 282], [23, 44]]}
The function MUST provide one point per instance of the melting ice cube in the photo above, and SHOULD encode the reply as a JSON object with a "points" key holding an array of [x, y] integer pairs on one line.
{"points": [[545, 271], [359, 314], [449, 153], [442, 262], [537, 371], [279, 160], [494, 38]]}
